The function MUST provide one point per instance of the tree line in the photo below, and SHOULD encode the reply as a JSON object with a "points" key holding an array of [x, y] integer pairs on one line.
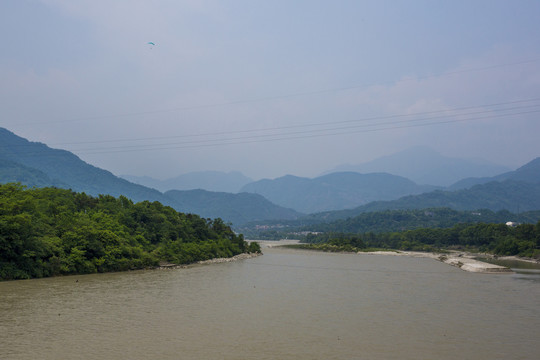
{"points": [[500, 239], [386, 221], [50, 231], [400, 220]]}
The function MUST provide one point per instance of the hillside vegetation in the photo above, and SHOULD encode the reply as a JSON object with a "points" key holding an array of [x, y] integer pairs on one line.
{"points": [[500, 239], [49, 231], [386, 221], [35, 164], [399, 220]]}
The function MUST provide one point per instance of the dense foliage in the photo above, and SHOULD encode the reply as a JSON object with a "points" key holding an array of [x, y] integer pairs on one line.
{"points": [[49, 231], [333, 242], [500, 239], [384, 222], [400, 220]]}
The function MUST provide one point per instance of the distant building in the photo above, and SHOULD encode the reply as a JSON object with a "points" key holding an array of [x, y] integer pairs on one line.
{"points": [[512, 224]]}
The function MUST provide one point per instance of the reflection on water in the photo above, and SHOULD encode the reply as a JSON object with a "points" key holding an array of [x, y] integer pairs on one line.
{"points": [[524, 270], [532, 276], [287, 304]]}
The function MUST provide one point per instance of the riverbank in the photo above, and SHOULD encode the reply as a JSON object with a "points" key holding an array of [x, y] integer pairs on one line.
{"points": [[169, 266], [463, 260], [466, 261]]}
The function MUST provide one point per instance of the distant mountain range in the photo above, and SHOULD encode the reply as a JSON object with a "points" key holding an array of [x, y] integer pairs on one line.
{"points": [[64, 169], [515, 191], [285, 198], [528, 173], [35, 164], [426, 166], [236, 208], [334, 191], [230, 182]]}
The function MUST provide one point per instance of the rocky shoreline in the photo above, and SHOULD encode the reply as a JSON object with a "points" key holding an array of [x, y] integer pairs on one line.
{"points": [[169, 266]]}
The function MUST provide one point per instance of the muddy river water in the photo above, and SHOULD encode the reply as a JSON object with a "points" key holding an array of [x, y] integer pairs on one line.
{"points": [[286, 304]]}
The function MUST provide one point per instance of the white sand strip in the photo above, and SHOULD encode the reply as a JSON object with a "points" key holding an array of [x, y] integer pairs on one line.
{"points": [[463, 261]]}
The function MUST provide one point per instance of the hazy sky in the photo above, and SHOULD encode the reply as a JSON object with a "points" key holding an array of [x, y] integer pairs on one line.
{"points": [[271, 87]]}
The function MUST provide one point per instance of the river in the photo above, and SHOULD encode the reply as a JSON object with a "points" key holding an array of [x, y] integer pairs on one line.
{"points": [[286, 304]]}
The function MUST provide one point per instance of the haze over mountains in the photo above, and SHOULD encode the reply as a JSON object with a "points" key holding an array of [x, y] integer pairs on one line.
{"points": [[284, 198], [35, 164], [424, 165], [230, 182], [515, 191], [64, 169], [334, 191]]}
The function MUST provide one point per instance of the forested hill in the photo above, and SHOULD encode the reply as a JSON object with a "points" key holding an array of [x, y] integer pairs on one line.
{"points": [[401, 220], [236, 208], [11, 171], [49, 231], [514, 196], [509, 195], [528, 173], [499, 239], [36, 164], [64, 169]]}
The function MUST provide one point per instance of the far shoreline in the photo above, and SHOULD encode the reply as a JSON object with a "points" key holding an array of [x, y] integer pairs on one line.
{"points": [[243, 256], [463, 260]]}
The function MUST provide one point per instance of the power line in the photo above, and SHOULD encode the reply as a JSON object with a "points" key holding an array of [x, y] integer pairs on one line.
{"points": [[357, 126], [449, 111], [325, 131], [221, 143], [274, 97]]}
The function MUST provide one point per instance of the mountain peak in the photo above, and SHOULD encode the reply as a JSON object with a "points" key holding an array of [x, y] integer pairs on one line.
{"points": [[424, 165], [530, 172]]}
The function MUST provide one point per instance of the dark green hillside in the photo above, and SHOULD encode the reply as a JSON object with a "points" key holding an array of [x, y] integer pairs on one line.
{"points": [[386, 221], [508, 195], [11, 171], [499, 239], [235, 208], [35, 164], [64, 169], [401, 220], [49, 231]]}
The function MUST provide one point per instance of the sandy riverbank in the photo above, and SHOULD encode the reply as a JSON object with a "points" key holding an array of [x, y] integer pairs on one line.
{"points": [[462, 260]]}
